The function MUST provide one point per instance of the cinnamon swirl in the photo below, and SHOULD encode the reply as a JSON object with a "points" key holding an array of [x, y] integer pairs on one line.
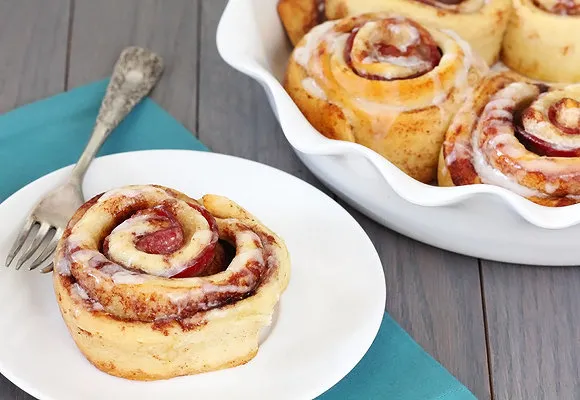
{"points": [[482, 23], [153, 284], [385, 82], [542, 40], [519, 135]]}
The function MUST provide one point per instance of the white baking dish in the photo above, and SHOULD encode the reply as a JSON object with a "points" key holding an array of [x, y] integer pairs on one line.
{"points": [[478, 220]]}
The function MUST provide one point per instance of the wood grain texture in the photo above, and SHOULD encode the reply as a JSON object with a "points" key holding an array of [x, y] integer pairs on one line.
{"points": [[101, 29], [8, 391], [33, 43], [234, 115], [534, 331], [435, 296]]}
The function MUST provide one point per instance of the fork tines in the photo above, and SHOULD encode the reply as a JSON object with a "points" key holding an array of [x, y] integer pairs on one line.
{"points": [[34, 246]]}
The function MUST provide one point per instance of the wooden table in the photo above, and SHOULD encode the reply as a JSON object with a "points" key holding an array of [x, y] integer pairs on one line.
{"points": [[505, 331]]}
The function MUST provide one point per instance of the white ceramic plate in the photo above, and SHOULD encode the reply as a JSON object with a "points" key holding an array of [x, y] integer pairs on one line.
{"points": [[478, 220], [328, 316]]}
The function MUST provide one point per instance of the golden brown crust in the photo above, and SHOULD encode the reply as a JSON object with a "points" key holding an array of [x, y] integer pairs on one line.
{"points": [[109, 367], [220, 336], [541, 45], [299, 16], [518, 147], [402, 118]]}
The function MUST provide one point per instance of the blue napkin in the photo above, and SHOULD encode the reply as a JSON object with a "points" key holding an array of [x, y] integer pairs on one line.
{"points": [[396, 367], [49, 134]]}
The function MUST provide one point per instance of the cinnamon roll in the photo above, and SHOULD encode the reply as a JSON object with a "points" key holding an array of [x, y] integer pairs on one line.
{"points": [[520, 135], [482, 23], [542, 40], [153, 284], [385, 82], [299, 16]]}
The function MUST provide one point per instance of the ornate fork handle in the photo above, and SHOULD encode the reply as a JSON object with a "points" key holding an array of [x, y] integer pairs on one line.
{"points": [[135, 73]]}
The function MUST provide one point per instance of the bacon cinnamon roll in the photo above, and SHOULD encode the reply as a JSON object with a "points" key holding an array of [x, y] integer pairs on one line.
{"points": [[385, 82], [542, 40], [482, 23], [519, 135], [153, 284]]}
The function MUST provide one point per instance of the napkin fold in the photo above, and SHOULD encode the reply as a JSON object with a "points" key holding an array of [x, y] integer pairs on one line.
{"points": [[49, 134]]}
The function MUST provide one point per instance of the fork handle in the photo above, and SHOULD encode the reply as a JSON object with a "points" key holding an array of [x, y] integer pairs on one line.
{"points": [[136, 72]]}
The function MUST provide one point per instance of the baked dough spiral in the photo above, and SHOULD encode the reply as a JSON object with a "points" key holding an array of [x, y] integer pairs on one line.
{"points": [[385, 82], [542, 40], [520, 135], [482, 23], [153, 284]]}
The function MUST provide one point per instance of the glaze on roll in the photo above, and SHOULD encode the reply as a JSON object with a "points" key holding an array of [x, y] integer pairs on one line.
{"points": [[481, 23], [519, 135], [383, 81], [170, 272]]}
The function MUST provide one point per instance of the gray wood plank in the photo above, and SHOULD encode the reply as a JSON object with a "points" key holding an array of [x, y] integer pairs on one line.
{"points": [[534, 331], [435, 295], [101, 30], [33, 44], [234, 115]]}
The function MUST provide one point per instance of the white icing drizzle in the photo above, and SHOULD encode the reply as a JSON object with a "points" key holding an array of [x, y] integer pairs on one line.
{"points": [[493, 176], [122, 276], [439, 92], [137, 221], [501, 139], [88, 257], [241, 259], [410, 62], [131, 192], [313, 88], [470, 60], [411, 31], [128, 278], [460, 151], [79, 291], [312, 39], [551, 187], [63, 267], [208, 288]]}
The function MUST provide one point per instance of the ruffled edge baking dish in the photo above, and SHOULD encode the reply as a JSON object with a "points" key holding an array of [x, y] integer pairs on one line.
{"points": [[241, 42]]}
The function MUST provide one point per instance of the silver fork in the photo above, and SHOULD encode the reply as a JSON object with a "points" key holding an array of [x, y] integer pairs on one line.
{"points": [[135, 73]]}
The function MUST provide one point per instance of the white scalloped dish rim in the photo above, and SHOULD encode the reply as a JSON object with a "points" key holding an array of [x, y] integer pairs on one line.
{"points": [[248, 56]]}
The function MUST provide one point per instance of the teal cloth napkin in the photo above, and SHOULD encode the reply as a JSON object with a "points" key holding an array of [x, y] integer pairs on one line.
{"points": [[49, 134]]}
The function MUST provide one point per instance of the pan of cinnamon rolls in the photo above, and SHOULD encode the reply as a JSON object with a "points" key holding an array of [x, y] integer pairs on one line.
{"points": [[412, 80], [413, 109]]}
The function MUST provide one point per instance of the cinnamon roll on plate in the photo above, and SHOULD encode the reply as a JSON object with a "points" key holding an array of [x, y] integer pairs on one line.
{"points": [[385, 82], [153, 284], [520, 135]]}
